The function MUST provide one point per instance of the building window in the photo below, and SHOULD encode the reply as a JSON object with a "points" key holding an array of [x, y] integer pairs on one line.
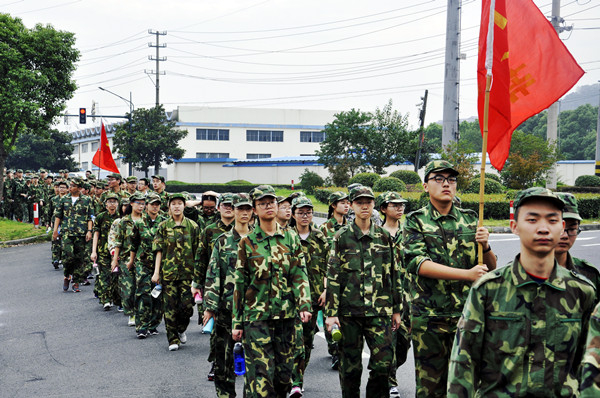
{"points": [[258, 155], [312, 136], [95, 146], [84, 165], [212, 134], [264, 135], [211, 155], [84, 148]]}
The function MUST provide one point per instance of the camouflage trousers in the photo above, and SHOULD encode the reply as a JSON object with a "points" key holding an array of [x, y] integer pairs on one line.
{"points": [[148, 310], [377, 332], [223, 355], [73, 251], [305, 336], [127, 289], [56, 250], [400, 345], [87, 264], [107, 283], [432, 338], [178, 305], [269, 349], [20, 211]]}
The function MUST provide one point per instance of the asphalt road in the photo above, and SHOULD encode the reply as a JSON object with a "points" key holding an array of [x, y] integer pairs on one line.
{"points": [[55, 344]]}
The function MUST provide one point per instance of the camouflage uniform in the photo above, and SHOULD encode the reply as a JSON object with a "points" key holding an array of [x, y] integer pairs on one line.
{"points": [[218, 298], [56, 244], [127, 286], [178, 244], [586, 269], [271, 288], [74, 226], [20, 203], [521, 337], [148, 310], [437, 304], [107, 282], [590, 366], [363, 290]]}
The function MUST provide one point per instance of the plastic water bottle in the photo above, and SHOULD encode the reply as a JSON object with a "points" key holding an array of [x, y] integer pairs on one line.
{"points": [[239, 363], [336, 333], [198, 298], [156, 291], [95, 270], [207, 329]]}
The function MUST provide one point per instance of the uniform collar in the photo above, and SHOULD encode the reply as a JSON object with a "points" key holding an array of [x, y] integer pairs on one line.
{"points": [[521, 278], [436, 215], [359, 234], [261, 235]]}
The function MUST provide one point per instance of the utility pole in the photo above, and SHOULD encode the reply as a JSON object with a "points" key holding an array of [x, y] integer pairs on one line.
{"points": [[421, 130], [158, 59], [552, 123], [451, 73], [598, 136]]}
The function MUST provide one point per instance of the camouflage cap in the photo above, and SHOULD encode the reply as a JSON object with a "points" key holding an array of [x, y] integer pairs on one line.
{"points": [[137, 196], [115, 175], [537, 193], [226, 197], [570, 211], [86, 186], [77, 181], [281, 199], [153, 197], [124, 201], [159, 177], [352, 186], [62, 182], [241, 199], [301, 201], [111, 195], [262, 191], [100, 184], [176, 195], [336, 197], [91, 177], [296, 194], [390, 197], [439, 165], [19, 170], [361, 192], [57, 183], [35, 176], [131, 179], [43, 171]]}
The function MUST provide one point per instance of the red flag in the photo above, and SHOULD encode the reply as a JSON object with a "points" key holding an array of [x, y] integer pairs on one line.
{"points": [[103, 157], [531, 70]]}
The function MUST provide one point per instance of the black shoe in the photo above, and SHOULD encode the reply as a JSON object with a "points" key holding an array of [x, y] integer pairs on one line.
{"points": [[153, 332], [55, 264], [86, 283], [142, 335], [211, 373], [90, 276], [335, 362]]}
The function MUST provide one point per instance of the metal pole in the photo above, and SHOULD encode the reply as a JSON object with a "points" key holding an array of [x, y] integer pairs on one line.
{"points": [[598, 136], [552, 124], [452, 74]]}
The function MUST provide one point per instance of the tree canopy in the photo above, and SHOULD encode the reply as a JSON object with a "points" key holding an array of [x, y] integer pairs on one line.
{"points": [[153, 139], [36, 69], [52, 150]]}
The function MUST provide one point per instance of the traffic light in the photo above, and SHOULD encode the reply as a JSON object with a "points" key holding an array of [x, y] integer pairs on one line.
{"points": [[82, 115]]}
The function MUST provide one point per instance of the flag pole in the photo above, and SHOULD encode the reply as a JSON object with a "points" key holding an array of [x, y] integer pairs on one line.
{"points": [[486, 106]]}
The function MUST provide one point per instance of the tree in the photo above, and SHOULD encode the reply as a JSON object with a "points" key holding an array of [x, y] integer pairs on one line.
{"points": [[51, 150], [461, 156], [470, 136], [529, 160], [36, 69], [153, 139]]}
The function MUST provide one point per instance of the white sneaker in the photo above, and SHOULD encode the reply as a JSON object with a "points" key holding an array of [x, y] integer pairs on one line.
{"points": [[106, 306], [173, 347], [131, 321], [296, 392], [183, 338], [394, 392]]}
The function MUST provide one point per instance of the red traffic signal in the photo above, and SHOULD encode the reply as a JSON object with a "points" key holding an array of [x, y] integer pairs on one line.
{"points": [[82, 115]]}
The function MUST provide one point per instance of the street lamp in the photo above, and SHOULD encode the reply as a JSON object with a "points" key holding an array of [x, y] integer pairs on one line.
{"points": [[131, 107]]}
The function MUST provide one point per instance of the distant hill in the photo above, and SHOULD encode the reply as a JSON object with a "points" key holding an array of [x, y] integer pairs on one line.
{"points": [[582, 95]]}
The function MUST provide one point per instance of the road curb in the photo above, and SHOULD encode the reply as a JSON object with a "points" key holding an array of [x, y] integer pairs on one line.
{"points": [[31, 239]]}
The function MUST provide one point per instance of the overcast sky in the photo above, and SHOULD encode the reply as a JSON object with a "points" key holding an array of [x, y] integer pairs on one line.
{"points": [[311, 54]]}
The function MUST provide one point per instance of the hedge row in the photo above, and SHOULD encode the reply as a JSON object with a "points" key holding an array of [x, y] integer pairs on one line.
{"points": [[496, 207], [220, 188]]}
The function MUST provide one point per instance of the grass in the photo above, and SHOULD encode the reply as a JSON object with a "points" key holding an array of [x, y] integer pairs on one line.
{"points": [[12, 230], [318, 206]]}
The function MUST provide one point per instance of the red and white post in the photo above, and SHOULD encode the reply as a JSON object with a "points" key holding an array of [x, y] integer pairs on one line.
{"points": [[512, 211], [36, 215]]}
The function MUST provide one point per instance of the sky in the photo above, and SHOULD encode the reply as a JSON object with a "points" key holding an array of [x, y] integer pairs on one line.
{"points": [[310, 54]]}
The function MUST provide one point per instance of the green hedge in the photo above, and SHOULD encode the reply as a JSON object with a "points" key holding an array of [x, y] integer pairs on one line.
{"points": [[389, 184], [491, 186], [587, 181], [366, 179], [220, 188], [566, 188], [407, 176]]}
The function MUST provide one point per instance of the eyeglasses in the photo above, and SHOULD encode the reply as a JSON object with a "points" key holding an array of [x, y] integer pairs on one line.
{"points": [[285, 208], [440, 179], [227, 206], [572, 231], [264, 205], [304, 215], [396, 205]]}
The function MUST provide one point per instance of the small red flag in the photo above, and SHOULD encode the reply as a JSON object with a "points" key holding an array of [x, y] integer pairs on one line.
{"points": [[103, 157], [531, 70]]}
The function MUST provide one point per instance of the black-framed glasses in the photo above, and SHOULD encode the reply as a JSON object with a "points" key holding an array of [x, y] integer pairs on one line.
{"points": [[440, 179], [572, 231], [304, 215], [264, 205], [396, 205]]}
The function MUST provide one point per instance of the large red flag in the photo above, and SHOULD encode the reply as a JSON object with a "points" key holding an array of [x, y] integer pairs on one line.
{"points": [[531, 70], [103, 157]]}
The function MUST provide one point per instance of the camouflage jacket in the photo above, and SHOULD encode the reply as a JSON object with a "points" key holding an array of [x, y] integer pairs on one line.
{"points": [[102, 225], [142, 236], [204, 221], [329, 228], [178, 244], [112, 234], [54, 202], [19, 187], [123, 234], [218, 289], [518, 337], [74, 217], [315, 249], [586, 269], [590, 375], [206, 242], [270, 278], [362, 277], [398, 251], [164, 201], [447, 240]]}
